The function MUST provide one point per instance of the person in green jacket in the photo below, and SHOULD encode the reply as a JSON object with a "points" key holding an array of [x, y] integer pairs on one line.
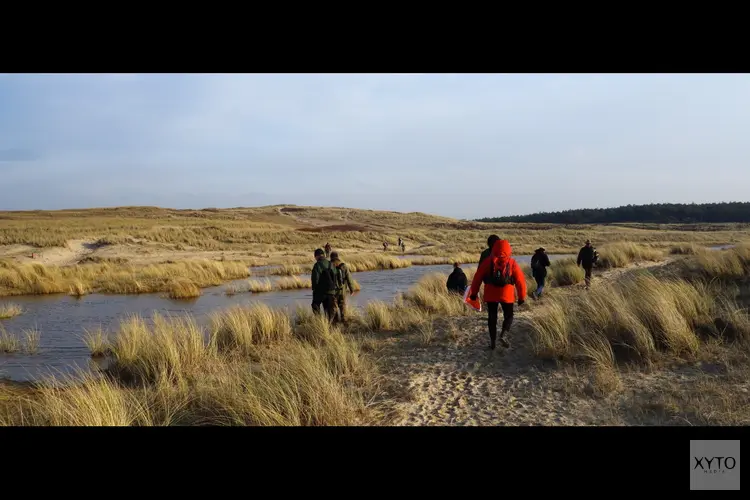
{"points": [[343, 281], [323, 278]]}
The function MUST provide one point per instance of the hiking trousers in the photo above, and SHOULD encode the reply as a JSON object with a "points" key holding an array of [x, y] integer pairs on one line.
{"points": [[341, 307], [328, 302], [588, 269], [492, 310], [539, 283]]}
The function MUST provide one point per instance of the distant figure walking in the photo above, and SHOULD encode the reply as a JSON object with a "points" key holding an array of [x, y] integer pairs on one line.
{"points": [[503, 281], [403, 247], [385, 246], [587, 257], [539, 264], [323, 285], [343, 281], [457, 281], [328, 250], [400, 241]]}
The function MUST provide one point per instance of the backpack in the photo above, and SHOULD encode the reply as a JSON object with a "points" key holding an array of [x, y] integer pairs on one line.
{"points": [[327, 281], [338, 277], [536, 262], [502, 277]]}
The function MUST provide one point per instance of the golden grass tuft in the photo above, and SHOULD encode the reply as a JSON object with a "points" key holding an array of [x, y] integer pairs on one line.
{"points": [[432, 260], [166, 348], [686, 249], [242, 328], [365, 262], [253, 285], [309, 326], [9, 343], [564, 272], [427, 331], [286, 270], [31, 340], [260, 286], [421, 297], [183, 289], [97, 342], [727, 265], [86, 401], [10, 310], [623, 254], [635, 319], [292, 283], [78, 288], [378, 316]]}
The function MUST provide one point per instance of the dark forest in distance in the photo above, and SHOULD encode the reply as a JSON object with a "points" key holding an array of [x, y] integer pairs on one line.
{"points": [[657, 213]]}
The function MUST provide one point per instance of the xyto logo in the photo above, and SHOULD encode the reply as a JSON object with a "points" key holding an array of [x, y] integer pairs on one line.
{"points": [[714, 465]]}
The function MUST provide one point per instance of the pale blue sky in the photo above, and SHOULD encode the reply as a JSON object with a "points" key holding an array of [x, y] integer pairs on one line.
{"points": [[466, 145]]}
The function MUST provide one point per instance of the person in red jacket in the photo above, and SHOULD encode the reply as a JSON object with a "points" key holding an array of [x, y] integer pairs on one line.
{"points": [[503, 279]]}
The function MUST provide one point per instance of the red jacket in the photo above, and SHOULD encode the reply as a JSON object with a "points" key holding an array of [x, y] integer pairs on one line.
{"points": [[501, 254]]}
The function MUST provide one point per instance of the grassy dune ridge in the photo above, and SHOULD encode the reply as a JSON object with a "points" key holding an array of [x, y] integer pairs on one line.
{"points": [[138, 249]]}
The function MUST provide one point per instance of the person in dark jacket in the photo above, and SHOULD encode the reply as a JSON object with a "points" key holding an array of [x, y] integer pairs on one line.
{"points": [[587, 257], [323, 285], [344, 282], [539, 264], [457, 281], [487, 251]]}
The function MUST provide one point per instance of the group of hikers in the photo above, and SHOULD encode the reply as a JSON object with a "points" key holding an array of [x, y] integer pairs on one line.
{"points": [[503, 279], [330, 279], [401, 245]]}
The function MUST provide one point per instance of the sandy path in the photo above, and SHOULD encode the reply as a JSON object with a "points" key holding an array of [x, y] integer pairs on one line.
{"points": [[456, 380], [56, 256], [460, 382]]}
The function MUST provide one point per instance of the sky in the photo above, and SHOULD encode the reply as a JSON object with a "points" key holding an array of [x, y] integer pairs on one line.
{"points": [[459, 145]]}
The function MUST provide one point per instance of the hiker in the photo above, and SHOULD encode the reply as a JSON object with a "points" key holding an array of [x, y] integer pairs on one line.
{"points": [[457, 281], [323, 285], [587, 257], [400, 241], [503, 279], [328, 250], [486, 253], [343, 281], [385, 246], [539, 264], [403, 247]]}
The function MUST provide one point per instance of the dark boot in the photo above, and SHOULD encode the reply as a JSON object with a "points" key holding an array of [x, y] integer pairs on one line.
{"points": [[504, 339], [492, 340]]}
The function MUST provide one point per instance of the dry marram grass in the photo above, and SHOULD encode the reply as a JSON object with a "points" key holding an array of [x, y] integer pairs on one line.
{"points": [[10, 310]]}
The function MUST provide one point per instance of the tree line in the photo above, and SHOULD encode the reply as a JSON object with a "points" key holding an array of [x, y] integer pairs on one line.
{"points": [[656, 213]]}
